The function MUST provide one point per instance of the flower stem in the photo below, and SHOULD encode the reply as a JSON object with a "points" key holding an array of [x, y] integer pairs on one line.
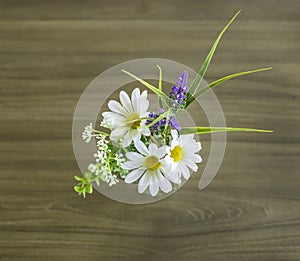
{"points": [[101, 132]]}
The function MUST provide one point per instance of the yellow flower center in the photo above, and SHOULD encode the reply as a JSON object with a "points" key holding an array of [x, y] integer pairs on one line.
{"points": [[176, 153], [152, 163], [133, 121]]}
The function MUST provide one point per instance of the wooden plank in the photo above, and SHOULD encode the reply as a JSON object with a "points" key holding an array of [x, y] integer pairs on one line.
{"points": [[49, 53]]}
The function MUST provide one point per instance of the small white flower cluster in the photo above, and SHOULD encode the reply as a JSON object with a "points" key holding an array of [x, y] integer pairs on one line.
{"points": [[119, 158], [94, 169], [87, 134], [101, 155], [104, 123], [105, 173], [111, 179]]}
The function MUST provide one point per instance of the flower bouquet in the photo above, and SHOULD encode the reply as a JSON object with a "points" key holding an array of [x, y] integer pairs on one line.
{"points": [[151, 149]]}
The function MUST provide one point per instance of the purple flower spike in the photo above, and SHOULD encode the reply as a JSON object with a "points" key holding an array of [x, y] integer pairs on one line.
{"points": [[178, 92], [160, 125], [174, 123]]}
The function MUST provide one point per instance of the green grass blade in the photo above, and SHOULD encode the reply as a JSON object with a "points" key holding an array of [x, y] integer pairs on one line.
{"points": [[160, 117], [219, 81], [160, 93], [205, 130], [202, 71], [160, 86], [160, 78]]}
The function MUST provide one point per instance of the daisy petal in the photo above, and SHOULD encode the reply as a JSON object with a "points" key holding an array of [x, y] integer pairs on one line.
{"points": [[143, 183], [164, 184], [135, 95], [162, 151], [134, 175], [153, 149], [125, 100], [135, 156], [144, 94], [141, 147], [111, 115], [172, 176], [136, 135], [195, 158], [142, 105], [190, 164], [184, 171], [174, 134], [145, 131], [127, 139], [154, 185], [117, 108], [118, 132], [129, 165]]}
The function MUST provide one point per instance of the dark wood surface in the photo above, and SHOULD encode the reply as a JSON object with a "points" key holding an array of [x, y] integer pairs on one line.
{"points": [[51, 50]]}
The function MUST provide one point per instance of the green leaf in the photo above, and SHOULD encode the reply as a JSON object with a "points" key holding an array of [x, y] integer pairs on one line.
{"points": [[77, 178], [205, 130], [78, 189], [102, 177], [90, 176], [89, 189], [97, 181], [219, 81], [160, 93], [203, 69]]}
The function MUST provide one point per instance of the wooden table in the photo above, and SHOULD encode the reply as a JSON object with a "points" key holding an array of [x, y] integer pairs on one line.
{"points": [[51, 50]]}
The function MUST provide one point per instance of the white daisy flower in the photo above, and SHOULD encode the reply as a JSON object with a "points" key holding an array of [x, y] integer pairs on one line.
{"points": [[182, 154], [126, 119], [149, 167]]}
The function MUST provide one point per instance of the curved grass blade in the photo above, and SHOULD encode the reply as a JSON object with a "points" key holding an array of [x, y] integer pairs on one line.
{"points": [[205, 130], [160, 93], [202, 71], [160, 86], [219, 81]]}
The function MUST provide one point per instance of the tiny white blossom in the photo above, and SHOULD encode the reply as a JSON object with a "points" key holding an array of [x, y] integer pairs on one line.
{"points": [[101, 156], [104, 171], [111, 179], [102, 142], [87, 134], [104, 123], [94, 169], [119, 158]]}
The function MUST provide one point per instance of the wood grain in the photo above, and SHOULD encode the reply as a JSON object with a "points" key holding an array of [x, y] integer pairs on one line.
{"points": [[50, 51]]}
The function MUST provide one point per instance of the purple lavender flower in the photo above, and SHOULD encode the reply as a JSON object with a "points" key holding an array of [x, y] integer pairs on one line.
{"points": [[178, 92], [160, 125], [173, 122]]}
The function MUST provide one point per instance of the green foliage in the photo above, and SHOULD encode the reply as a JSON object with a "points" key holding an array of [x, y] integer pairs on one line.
{"points": [[157, 91], [203, 69], [190, 98], [205, 130], [84, 186]]}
